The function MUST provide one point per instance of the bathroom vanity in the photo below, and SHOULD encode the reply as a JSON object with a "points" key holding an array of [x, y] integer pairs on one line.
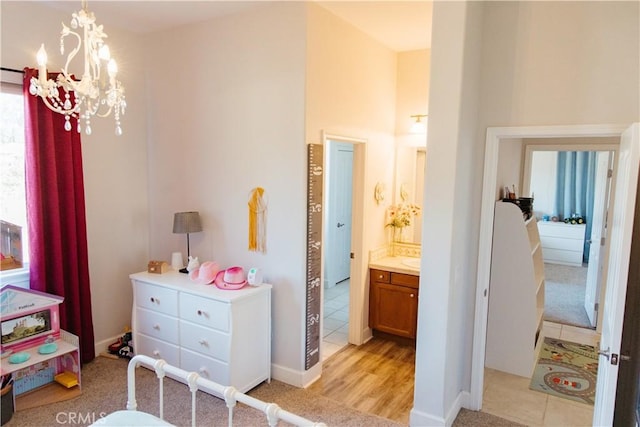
{"points": [[393, 296]]}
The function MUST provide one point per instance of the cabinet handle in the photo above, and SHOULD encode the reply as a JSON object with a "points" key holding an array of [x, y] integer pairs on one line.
{"points": [[203, 342], [156, 327]]}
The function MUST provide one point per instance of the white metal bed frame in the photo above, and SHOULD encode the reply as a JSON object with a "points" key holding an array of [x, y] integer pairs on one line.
{"points": [[195, 382]]}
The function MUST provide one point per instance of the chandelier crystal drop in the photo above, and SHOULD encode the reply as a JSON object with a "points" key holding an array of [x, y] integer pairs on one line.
{"points": [[97, 93]]}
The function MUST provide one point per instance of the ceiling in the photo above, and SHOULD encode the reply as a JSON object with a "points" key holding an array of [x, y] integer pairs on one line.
{"points": [[399, 25]]}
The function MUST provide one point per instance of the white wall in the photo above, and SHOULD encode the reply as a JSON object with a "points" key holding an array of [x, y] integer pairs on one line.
{"points": [[509, 167], [412, 95], [543, 63], [115, 168], [543, 182], [351, 92], [227, 115], [446, 292], [547, 63]]}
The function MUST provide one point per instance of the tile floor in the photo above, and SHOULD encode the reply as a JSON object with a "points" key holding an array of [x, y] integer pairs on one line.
{"points": [[508, 396], [335, 334]]}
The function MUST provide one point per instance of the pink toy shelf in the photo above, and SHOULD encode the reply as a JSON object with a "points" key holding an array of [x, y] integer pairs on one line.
{"points": [[28, 317]]}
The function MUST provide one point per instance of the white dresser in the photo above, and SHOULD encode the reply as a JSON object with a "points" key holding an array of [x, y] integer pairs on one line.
{"points": [[224, 335], [562, 243]]}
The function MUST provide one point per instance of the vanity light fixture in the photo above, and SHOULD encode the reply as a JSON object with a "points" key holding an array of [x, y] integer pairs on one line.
{"points": [[419, 126], [97, 93]]}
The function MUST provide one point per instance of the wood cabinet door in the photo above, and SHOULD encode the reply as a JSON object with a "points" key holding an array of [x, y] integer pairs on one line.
{"points": [[394, 309]]}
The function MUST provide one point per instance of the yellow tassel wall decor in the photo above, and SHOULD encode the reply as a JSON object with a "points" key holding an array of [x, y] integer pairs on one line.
{"points": [[257, 221]]}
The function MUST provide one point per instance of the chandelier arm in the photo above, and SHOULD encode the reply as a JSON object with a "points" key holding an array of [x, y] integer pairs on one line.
{"points": [[68, 79], [93, 94], [106, 114], [58, 110]]}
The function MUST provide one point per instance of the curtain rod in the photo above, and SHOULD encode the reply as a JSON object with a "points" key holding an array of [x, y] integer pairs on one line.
{"points": [[12, 70]]}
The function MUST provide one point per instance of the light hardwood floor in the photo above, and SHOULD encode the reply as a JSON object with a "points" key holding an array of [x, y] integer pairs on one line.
{"points": [[376, 377]]}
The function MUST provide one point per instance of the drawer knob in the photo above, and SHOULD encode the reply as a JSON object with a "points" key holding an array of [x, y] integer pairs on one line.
{"points": [[154, 300], [156, 353], [156, 327], [412, 295], [203, 342], [380, 277], [203, 371], [201, 313]]}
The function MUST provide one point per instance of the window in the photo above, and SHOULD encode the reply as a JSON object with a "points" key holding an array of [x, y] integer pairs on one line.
{"points": [[13, 207]]}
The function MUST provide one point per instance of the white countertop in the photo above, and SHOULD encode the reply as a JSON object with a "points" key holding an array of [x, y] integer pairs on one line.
{"points": [[397, 264]]}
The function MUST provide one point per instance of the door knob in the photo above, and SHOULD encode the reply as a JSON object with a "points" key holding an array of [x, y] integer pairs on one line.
{"points": [[605, 353], [612, 357]]}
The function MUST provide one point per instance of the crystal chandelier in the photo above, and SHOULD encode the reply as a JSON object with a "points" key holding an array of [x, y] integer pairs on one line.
{"points": [[97, 93]]}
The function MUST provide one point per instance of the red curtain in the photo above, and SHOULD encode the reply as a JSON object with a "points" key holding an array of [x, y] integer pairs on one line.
{"points": [[56, 216]]}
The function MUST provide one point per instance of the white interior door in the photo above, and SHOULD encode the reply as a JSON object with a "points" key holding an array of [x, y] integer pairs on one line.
{"points": [[617, 274], [339, 217], [598, 234]]}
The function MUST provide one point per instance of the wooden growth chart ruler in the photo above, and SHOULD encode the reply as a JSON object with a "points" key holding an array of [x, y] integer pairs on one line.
{"points": [[315, 172]]}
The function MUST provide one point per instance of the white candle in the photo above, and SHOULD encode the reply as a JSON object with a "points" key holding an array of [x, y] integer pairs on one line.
{"points": [[112, 68], [41, 57]]}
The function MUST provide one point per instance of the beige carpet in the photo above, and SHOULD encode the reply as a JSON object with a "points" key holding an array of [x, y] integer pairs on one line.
{"points": [[104, 387], [564, 295]]}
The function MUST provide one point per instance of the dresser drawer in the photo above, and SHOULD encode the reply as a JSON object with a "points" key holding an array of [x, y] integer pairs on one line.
{"points": [[380, 276], [203, 311], [206, 367], [157, 325], [561, 243], [562, 230], [157, 349], [408, 280], [557, 256], [157, 298], [209, 342]]}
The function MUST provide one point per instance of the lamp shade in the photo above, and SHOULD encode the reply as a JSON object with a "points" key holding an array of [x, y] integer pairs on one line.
{"points": [[186, 222]]}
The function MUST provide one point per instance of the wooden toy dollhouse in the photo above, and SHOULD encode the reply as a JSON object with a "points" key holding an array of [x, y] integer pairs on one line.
{"points": [[42, 359]]}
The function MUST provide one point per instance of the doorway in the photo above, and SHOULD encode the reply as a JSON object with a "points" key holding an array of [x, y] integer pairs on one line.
{"points": [[342, 301], [571, 182], [337, 252], [618, 263]]}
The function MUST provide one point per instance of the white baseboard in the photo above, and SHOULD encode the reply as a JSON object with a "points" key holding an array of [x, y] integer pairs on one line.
{"points": [[462, 399], [294, 377], [422, 419], [103, 345], [419, 418]]}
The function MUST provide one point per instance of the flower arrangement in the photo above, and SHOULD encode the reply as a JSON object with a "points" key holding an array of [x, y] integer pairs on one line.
{"points": [[400, 216]]}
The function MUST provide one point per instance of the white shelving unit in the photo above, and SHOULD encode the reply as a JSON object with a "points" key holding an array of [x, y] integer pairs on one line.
{"points": [[516, 292]]}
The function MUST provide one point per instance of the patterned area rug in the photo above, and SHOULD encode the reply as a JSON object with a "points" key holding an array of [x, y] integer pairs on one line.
{"points": [[566, 369]]}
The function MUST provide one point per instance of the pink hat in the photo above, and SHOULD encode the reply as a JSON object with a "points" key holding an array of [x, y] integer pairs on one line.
{"points": [[205, 274], [231, 278]]}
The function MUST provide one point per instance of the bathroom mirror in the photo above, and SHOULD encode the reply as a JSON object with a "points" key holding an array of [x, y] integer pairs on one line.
{"points": [[409, 184]]}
